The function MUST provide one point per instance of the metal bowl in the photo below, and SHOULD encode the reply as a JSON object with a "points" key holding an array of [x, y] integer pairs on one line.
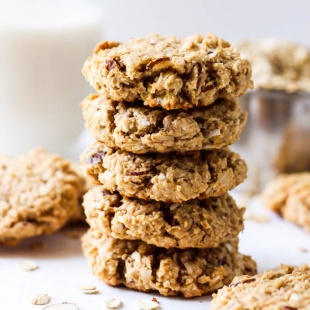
{"points": [[276, 138]]}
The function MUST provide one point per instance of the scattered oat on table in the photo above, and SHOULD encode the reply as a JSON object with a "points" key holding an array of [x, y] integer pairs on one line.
{"points": [[41, 299], [88, 289], [28, 265], [112, 303], [62, 306], [143, 304], [303, 249]]}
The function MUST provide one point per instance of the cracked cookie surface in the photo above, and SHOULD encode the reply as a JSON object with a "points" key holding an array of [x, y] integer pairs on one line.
{"points": [[168, 177], [137, 265], [39, 194], [191, 224], [289, 195], [287, 288], [140, 129], [169, 72]]}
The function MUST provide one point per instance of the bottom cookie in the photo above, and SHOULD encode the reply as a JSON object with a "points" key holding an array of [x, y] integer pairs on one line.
{"points": [[285, 289], [144, 267]]}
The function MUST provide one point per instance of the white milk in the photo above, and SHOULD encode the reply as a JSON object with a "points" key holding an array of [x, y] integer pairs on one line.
{"points": [[43, 45]]}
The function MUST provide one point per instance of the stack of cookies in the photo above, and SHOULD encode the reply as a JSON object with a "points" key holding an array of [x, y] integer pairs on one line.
{"points": [[161, 218]]}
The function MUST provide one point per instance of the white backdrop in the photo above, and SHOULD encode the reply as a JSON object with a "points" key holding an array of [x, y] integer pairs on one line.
{"points": [[233, 20]]}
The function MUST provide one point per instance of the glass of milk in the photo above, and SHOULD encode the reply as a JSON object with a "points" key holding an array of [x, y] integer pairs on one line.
{"points": [[44, 44]]}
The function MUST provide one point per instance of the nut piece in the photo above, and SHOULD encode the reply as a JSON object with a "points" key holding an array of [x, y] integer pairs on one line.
{"points": [[62, 306], [87, 289], [112, 303], [143, 304], [41, 299], [28, 265]]}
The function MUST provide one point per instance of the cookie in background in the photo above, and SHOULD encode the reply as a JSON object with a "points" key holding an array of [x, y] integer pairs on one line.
{"points": [[289, 195], [39, 194]]}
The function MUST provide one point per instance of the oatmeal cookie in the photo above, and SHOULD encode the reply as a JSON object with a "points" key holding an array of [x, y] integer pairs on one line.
{"points": [[137, 265], [169, 72], [285, 289], [167, 177], [192, 224], [140, 129], [289, 195], [278, 65], [39, 194]]}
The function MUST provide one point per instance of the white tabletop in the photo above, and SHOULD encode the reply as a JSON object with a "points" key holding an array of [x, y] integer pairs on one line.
{"points": [[62, 266]]}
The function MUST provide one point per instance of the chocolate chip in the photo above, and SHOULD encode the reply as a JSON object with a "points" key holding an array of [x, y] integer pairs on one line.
{"points": [[169, 218], [96, 158], [186, 96], [199, 74], [106, 192], [110, 64], [206, 88], [182, 267], [159, 124]]}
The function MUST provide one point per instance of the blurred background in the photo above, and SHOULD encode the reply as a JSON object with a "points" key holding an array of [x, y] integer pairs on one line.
{"points": [[44, 44], [233, 20]]}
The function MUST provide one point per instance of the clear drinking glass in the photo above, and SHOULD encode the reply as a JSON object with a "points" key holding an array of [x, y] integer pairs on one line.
{"points": [[276, 138]]}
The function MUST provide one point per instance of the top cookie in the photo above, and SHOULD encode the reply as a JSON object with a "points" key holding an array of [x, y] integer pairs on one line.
{"points": [[170, 72], [39, 194], [285, 289]]}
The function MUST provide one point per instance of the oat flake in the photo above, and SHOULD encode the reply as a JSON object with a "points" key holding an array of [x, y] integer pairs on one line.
{"points": [[143, 304], [41, 299], [88, 289], [28, 265], [62, 306], [113, 303]]}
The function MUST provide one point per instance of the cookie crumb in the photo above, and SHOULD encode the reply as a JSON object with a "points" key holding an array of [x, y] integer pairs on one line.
{"points": [[88, 289], [303, 249], [41, 299], [62, 306], [28, 265], [154, 299], [143, 304], [112, 303]]}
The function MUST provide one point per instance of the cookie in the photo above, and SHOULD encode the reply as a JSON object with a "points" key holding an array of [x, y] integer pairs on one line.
{"points": [[285, 289], [167, 177], [140, 129], [191, 224], [169, 72], [137, 265], [289, 195], [278, 65], [39, 194]]}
